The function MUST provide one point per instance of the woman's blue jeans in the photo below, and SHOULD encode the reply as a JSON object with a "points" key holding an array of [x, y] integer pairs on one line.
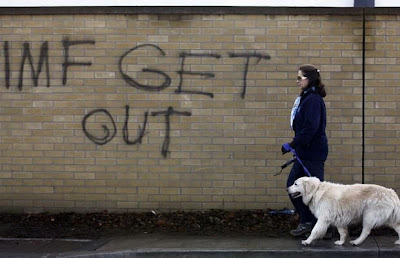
{"points": [[316, 168]]}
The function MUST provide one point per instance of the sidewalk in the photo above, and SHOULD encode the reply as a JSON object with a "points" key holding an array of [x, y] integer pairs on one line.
{"points": [[179, 245]]}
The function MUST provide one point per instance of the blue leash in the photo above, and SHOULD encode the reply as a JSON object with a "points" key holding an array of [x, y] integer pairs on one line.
{"points": [[291, 161]]}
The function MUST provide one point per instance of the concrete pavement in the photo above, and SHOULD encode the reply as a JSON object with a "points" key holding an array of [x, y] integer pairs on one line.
{"points": [[180, 245]]}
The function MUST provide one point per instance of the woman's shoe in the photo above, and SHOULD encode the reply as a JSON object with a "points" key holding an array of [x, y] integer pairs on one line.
{"points": [[302, 229]]}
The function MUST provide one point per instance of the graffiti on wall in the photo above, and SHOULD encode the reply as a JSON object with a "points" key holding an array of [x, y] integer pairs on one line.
{"points": [[43, 61], [109, 128]]}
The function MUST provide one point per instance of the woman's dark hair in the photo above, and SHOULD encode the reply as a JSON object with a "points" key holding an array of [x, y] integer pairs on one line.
{"points": [[314, 78]]}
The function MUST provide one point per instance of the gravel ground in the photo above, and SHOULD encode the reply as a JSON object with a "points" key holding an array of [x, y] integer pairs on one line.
{"points": [[208, 223], [95, 225]]}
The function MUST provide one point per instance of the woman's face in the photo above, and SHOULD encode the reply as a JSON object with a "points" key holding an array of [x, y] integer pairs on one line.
{"points": [[302, 81]]}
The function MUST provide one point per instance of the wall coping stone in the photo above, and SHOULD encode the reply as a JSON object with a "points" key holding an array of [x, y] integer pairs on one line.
{"points": [[198, 10]]}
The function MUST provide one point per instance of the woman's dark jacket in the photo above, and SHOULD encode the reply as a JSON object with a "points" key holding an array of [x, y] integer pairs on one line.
{"points": [[309, 124]]}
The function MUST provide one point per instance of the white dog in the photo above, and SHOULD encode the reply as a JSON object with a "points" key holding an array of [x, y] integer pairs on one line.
{"points": [[340, 205]]}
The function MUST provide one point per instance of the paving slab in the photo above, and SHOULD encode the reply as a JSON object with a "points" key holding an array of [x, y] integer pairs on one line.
{"points": [[34, 247], [170, 245], [180, 245]]}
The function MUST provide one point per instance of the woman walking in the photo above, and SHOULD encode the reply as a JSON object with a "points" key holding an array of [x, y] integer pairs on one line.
{"points": [[308, 121]]}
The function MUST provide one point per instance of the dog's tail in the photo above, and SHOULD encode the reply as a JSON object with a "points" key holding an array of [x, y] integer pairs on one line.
{"points": [[396, 208]]}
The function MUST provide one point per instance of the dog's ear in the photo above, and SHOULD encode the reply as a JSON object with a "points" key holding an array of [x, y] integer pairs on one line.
{"points": [[309, 188]]}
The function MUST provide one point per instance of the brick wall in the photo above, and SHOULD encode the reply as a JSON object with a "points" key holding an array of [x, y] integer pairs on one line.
{"points": [[382, 107], [90, 130]]}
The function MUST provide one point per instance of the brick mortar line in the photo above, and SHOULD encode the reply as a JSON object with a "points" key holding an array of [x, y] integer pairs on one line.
{"points": [[261, 10]]}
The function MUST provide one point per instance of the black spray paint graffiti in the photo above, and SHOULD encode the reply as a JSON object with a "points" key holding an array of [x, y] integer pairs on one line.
{"points": [[167, 79], [125, 130], [109, 135], [43, 60], [246, 67], [67, 44], [7, 64], [167, 115], [132, 82], [181, 72], [44, 57]]}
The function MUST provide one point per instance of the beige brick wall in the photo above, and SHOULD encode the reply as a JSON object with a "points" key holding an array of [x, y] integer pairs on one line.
{"points": [[225, 154], [382, 108]]}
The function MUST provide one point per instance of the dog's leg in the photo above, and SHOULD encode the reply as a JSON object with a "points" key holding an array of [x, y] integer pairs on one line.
{"points": [[364, 234], [343, 232], [317, 232], [369, 221]]}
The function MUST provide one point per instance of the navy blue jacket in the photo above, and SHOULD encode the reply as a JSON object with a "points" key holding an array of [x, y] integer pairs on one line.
{"points": [[309, 124]]}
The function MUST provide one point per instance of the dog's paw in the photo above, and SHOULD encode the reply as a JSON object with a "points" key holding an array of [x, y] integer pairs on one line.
{"points": [[339, 242], [353, 243], [304, 242], [397, 242]]}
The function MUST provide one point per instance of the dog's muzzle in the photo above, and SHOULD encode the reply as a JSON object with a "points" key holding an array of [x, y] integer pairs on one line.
{"points": [[295, 195]]}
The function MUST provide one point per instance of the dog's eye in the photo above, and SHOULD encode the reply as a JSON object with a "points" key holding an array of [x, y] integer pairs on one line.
{"points": [[295, 183]]}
